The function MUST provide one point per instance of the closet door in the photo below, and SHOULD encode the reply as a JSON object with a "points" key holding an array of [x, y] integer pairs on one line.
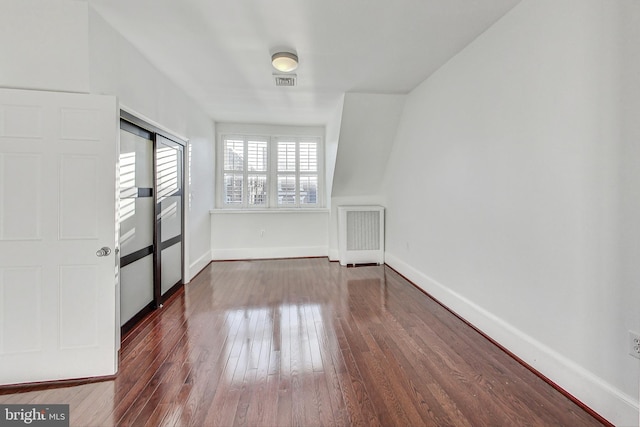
{"points": [[136, 221], [57, 236], [169, 183]]}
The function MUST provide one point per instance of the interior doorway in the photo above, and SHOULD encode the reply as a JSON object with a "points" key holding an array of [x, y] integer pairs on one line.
{"points": [[151, 218]]}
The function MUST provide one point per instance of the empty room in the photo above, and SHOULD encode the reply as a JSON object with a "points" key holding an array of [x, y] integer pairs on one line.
{"points": [[301, 212]]}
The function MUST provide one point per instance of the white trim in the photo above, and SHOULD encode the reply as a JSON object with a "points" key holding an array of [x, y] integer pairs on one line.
{"points": [[599, 395], [266, 253], [152, 122], [186, 223], [269, 211], [198, 265]]}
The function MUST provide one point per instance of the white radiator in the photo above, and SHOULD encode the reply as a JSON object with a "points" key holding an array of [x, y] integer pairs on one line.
{"points": [[361, 234]]}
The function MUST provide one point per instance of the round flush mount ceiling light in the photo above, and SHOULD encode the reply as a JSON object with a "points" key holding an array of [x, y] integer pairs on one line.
{"points": [[284, 61]]}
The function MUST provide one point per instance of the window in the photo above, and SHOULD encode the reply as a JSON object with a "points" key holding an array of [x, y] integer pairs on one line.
{"points": [[297, 172], [270, 172], [245, 172]]}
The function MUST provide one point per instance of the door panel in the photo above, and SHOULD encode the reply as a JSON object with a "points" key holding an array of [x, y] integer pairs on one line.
{"points": [[171, 260], [136, 159], [78, 201], [171, 217], [135, 298], [21, 121], [169, 181], [79, 306], [136, 225], [24, 223], [136, 221], [21, 309], [57, 198]]}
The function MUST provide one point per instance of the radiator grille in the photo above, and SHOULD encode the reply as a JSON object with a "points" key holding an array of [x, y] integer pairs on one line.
{"points": [[361, 234], [363, 230]]}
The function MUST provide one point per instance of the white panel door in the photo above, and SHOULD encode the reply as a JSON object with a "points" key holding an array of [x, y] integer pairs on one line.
{"points": [[57, 209]]}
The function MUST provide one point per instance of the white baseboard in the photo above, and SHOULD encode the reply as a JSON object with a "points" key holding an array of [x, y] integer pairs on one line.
{"points": [[334, 255], [197, 266], [599, 395], [264, 253]]}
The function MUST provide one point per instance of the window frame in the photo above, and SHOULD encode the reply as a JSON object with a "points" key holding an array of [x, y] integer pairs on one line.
{"points": [[272, 173]]}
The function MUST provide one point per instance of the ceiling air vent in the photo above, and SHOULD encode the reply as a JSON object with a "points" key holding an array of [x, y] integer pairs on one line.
{"points": [[285, 80]]}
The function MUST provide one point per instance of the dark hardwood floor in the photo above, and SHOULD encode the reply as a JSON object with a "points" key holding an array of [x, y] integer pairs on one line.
{"points": [[306, 342]]}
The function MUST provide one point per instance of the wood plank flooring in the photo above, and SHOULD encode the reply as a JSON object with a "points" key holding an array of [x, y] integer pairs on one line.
{"points": [[306, 342]]}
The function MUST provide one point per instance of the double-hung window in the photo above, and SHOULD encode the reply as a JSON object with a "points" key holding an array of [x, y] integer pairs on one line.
{"points": [[271, 172]]}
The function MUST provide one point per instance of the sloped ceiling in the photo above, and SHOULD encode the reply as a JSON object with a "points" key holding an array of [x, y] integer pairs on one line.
{"points": [[369, 123], [218, 51]]}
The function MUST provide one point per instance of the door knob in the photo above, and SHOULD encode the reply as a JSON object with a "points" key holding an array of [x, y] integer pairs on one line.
{"points": [[104, 251]]}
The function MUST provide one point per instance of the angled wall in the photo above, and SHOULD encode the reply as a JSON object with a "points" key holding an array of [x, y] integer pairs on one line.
{"points": [[331, 141], [368, 126], [367, 131], [512, 192]]}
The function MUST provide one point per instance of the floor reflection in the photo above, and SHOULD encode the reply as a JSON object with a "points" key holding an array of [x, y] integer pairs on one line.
{"points": [[270, 340], [367, 297]]}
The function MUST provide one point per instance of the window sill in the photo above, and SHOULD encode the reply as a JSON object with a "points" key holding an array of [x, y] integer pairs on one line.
{"points": [[269, 211]]}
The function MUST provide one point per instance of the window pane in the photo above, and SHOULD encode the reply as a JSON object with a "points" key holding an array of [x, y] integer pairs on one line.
{"points": [[286, 190], [257, 189], [308, 157], [309, 190], [286, 156], [233, 155], [257, 156], [168, 170], [233, 188]]}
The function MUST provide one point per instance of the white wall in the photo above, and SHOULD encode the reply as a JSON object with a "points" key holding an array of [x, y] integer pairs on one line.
{"points": [[268, 234], [512, 192], [117, 68], [43, 45]]}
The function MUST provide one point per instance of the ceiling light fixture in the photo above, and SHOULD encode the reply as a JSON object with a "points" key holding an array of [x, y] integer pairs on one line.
{"points": [[284, 61]]}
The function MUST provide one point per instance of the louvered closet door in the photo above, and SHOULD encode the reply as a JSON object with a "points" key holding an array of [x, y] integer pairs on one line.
{"points": [[136, 221], [169, 182]]}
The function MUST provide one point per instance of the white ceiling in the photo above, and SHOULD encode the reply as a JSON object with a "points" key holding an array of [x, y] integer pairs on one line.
{"points": [[218, 51]]}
